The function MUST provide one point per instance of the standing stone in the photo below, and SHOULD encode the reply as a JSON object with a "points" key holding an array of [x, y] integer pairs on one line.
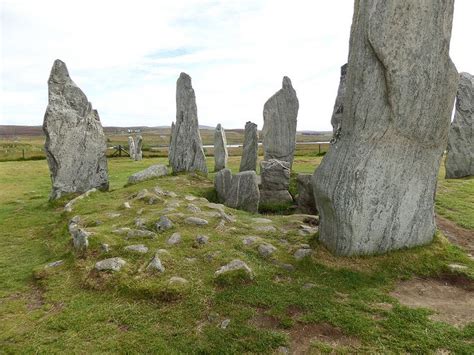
{"points": [[75, 141], [250, 149], [243, 193], [305, 198], [186, 152], [220, 149], [460, 156], [375, 187], [336, 118], [275, 182], [131, 147], [170, 148], [279, 124], [138, 148], [222, 184]]}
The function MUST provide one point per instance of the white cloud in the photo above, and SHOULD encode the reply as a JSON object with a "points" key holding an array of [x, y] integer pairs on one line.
{"points": [[126, 56]]}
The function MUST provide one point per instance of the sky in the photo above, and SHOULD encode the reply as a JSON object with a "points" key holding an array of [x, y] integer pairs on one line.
{"points": [[127, 55]]}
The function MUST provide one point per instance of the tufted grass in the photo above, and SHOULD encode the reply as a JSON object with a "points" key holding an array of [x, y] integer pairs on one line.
{"points": [[73, 308]]}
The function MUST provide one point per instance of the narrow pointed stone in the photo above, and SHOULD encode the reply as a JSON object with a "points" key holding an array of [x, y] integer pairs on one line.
{"points": [[220, 149], [338, 110], [250, 148]]}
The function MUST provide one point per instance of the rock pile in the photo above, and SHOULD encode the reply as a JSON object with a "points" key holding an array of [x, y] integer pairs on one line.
{"points": [[75, 141], [460, 156], [374, 188]]}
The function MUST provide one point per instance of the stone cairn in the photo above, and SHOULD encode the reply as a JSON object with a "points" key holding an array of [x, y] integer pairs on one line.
{"points": [[186, 152], [75, 141], [280, 114], [338, 111], [220, 149], [250, 148], [460, 156], [374, 188], [135, 147]]}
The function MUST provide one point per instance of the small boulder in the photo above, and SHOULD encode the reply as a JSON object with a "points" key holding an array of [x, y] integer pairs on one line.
{"points": [[202, 239], [151, 172], [174, 239], [196, 221], [302, 253], [266, 250], [112, 264], [163, 224], [138, 233], [138, 248], [155, 265], [236, 270]]}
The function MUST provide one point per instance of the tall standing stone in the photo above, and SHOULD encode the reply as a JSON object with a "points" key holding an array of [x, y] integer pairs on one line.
{"points": [[460, 156], [186, 151], [131, 147], [375, 187], [170, 148], [280, 113], [220, 149], [339, 104], [75, 141], [250, 148], [138, 148]]}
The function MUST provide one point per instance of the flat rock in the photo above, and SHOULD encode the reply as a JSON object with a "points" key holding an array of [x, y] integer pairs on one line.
{"points": [[250, 148], [280, 114], [265, 229], [112, 264], [193, 208], [302, 253], [174, 239], [261, 220], [149, 173], [244, 193], [249, 240], [138, 233], [75, 141], [235, 265], [266, 249], [196, 221], [177, 281], [137, 248]]}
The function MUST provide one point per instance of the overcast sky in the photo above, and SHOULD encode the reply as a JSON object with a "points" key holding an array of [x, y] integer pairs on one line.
{"points": [[127, 55]]}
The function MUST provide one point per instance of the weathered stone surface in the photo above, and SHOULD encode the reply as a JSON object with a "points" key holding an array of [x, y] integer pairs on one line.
{"points": [[177, 281], [80, 239], [131, 147], [196, 221], [69, 206], [112, 264], [275, 174], [193, 208], [460, 156], [138, 148], [138, 233], [151, 172], [338, 111], [138, 248], [163, 224], [174, 239], [305, 198], [243, 193], [374, 188], [266, 249], [220, 149], [235, 265], [155, 265], [280, 113], [75, 142], [186, 152], [302, 253], [202, 239], [222, 183], [250, 148]]}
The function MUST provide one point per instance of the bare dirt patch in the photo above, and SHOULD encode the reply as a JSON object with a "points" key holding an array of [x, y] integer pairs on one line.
{"points": [[452, 301], [456, 234]]}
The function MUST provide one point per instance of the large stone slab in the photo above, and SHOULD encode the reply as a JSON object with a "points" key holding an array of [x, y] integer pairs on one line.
{"points": [[374, 188], [460, 156], [280, 113], [275, 174], [243, 193], [338, 110], [222, 184], [75, 141], [186, 152], [220, 149], [250, 148], [151, 172]]}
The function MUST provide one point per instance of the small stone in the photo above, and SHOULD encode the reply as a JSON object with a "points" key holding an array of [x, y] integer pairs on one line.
{"points": [[138, 233], [457, 267], [211, 214], [265, 229], [140, 223], [80, 239], [249, 240], [308, 285], [235, 265], [261, 220], [112, 264], [307, 230], [163, 224], [190, 198], [113, 215], [224, 324], [155, 265], [163, 252], [151, 172], [172, 204], [126, 205], [174, 239], [138, 248], [196, 221], [283, 350], [202, 239], [215, 206], [305, 246], [105, 248], [121, 231], [302, 253], [266, 250], [175, 280], [54, 264], [170, 194], [193, 208]]}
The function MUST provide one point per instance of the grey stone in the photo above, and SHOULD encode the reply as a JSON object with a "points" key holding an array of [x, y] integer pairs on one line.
{"points": [[140, 223], [305, 198], [151, 172], [235, 265], [80, 239], [177, 281], [138, 233], [126, 205], [222, 184], [131, 147], [121, 231], [307, 230], [196, 221], [202, 239], [138, 154], [275, 197], [374, 188], [215, 206], [193, 208], [302, 253], [220, 149], [460, 155], [155, 265], [249, 240], [265, 229], [275, 174], [174, 239], [243, 193], [261, 220], [338, 110], [250, 148], [280, 114], [225, 323], [105, 248], [75, 141], [68, 207], [163, 224], [266, 249], [457, 267], [186, 152], [190, 198], [54, 264], [137, 248], [112, 264]]}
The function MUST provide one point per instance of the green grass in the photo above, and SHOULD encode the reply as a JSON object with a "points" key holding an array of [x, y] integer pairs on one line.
{"points": [[72, 308]]}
